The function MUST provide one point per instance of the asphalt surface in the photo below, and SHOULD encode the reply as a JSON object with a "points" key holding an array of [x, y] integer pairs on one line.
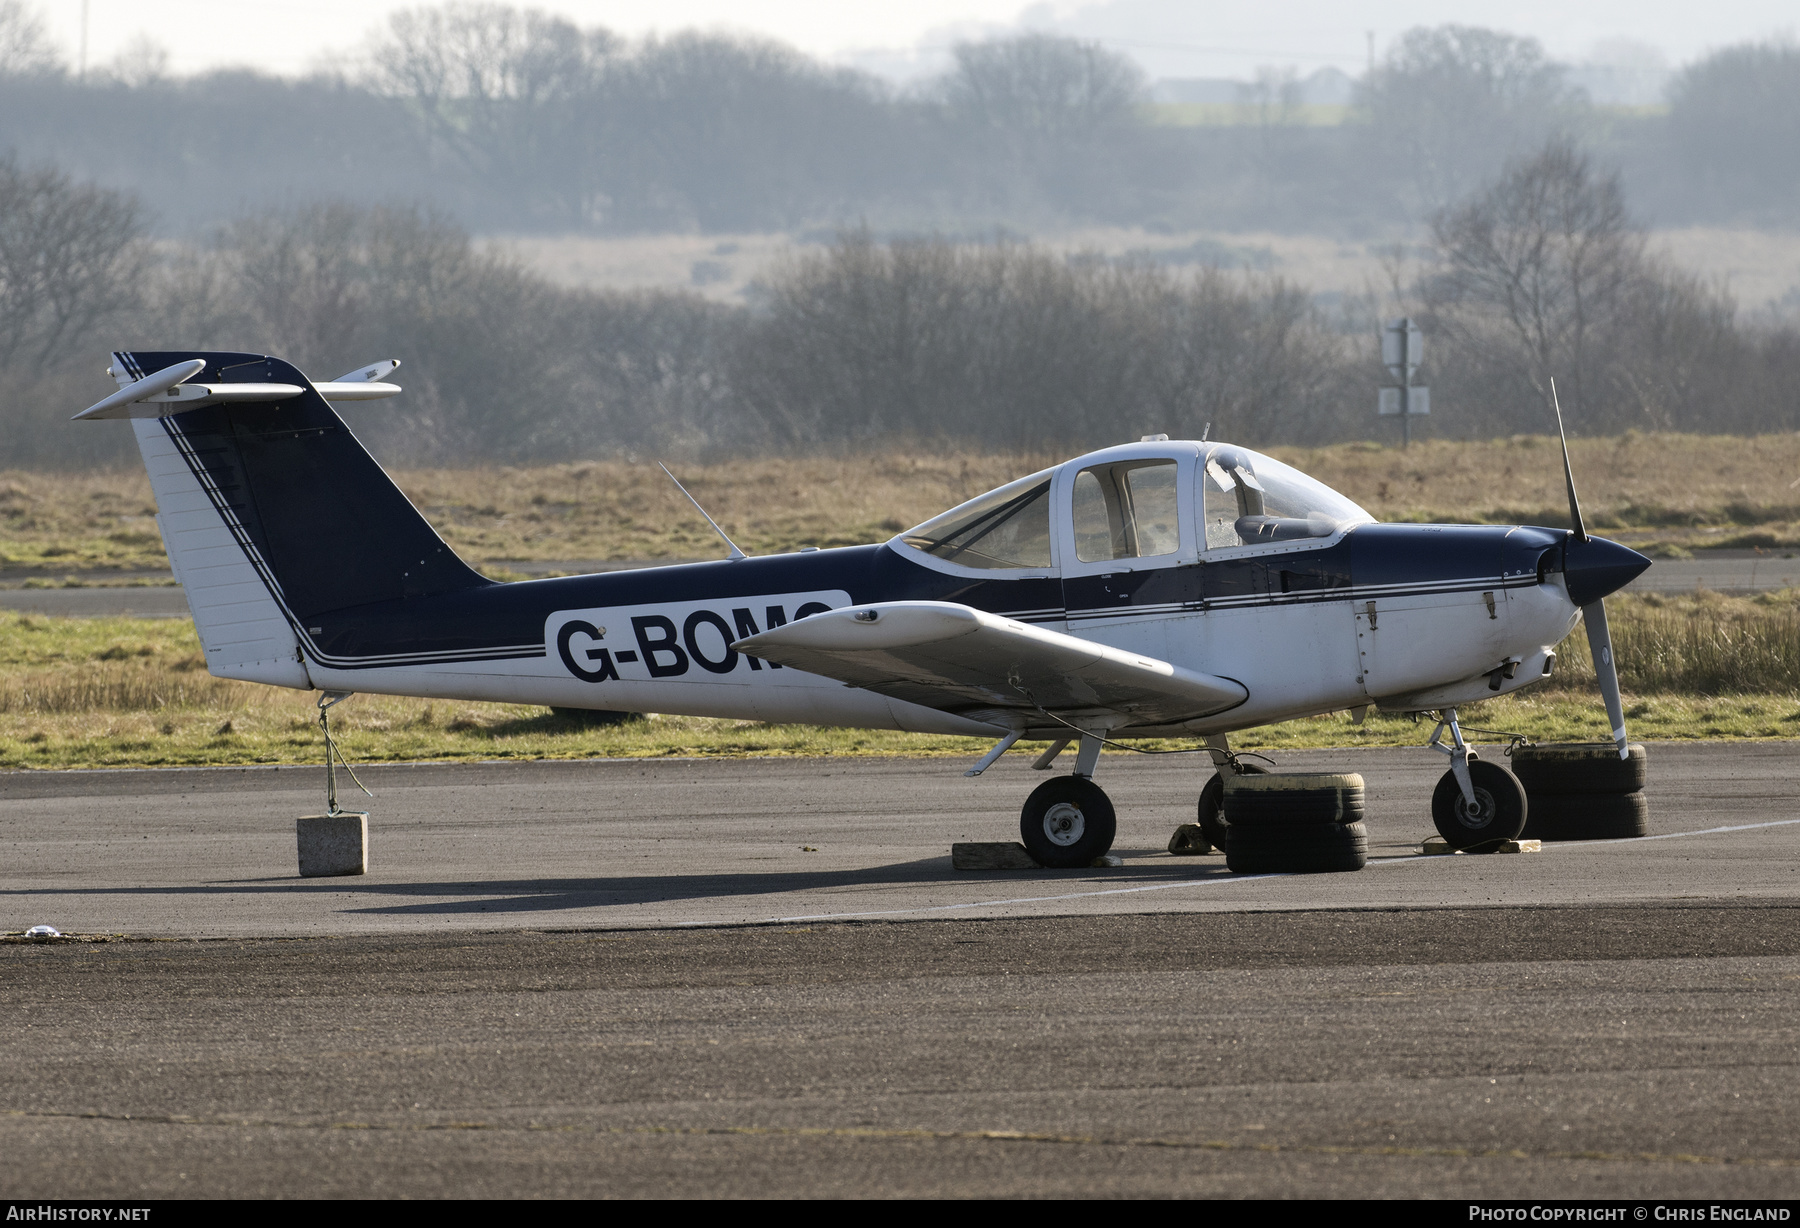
{"points": [[575, 980], [1725, 571]]}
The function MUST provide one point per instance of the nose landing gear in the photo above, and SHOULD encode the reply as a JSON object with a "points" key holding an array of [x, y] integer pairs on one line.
{"points": [[1474, 802]]}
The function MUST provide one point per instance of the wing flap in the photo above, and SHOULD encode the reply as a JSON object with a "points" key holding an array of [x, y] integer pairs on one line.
{"points": [[958, 659]]}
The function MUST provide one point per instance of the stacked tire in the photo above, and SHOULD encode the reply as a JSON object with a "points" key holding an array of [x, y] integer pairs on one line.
{"points": [[1583, 791], [1294, 822]]}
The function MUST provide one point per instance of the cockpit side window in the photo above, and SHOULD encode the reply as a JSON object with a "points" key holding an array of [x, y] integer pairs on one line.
{"points": [[1247, 499], [1005, 528], [1127, 510]]}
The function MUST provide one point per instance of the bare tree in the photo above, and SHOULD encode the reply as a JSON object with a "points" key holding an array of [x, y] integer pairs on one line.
{"points": [[499, 87], [25, 49], [1732, 120], [72, 258], [1536, 267], [1036, 94], [1449, 103]]}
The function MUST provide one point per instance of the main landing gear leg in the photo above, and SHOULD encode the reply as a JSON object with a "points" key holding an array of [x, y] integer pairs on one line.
{"points": [[1068, 821], [1475, 802], [1210, 812]]}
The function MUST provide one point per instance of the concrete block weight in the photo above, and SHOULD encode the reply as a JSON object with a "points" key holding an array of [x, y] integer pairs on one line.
{"points": [[333, 844]]}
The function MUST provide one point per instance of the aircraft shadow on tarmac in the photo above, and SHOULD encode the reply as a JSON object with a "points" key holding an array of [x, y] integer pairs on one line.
{"points": [[499, 896]]}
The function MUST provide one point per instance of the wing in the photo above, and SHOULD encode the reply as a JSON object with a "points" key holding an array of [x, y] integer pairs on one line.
{"points": [[962, 660]]}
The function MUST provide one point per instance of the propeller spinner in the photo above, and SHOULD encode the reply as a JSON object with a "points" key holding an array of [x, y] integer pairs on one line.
{"points": [[1592, 568]]}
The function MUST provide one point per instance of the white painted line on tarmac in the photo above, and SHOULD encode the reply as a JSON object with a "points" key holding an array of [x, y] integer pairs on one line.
{"points": [[1709, 831]]}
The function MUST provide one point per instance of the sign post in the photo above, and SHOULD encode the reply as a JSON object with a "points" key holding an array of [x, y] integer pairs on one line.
{"points": [[1402, 351]]}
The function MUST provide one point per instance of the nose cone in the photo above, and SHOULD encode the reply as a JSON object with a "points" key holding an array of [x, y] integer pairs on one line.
{"points": [[1596, 567]]}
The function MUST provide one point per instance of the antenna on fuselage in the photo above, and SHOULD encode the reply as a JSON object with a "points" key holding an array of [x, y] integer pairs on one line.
{"points": [[735, 552], [1206, 432]]}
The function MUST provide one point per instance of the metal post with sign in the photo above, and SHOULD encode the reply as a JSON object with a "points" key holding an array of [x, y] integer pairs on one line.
{"points": [[1402, 351]]}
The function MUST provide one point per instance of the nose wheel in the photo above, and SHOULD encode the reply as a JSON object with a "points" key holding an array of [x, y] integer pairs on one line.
{"points": [[1067, 822], [1474, 802]]}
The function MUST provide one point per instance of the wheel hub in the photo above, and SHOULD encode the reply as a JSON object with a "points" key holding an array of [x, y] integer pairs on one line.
{"points": [[1482, 812], [1064, 824]]}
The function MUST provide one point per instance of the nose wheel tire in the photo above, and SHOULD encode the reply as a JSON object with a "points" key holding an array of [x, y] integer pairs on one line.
{"points": [[1067, 822], [1499, 812]]}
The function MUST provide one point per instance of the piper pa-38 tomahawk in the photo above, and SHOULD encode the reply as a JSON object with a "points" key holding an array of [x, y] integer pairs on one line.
{"points": [[1163, 588]]}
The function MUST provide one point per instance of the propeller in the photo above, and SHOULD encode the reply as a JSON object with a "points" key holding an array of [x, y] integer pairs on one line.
{"points": [[1593, 613]]}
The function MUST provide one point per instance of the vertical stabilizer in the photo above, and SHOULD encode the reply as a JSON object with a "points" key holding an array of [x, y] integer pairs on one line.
{"points": [[275, 515]]}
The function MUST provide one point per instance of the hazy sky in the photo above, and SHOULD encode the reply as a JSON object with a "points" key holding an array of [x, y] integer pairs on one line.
{"points": [[1227, 38]]}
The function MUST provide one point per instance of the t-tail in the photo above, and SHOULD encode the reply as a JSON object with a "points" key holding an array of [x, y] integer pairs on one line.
{"points": [[273, 514]]}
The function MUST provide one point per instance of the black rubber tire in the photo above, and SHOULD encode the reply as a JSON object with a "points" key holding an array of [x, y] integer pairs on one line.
{"points": [[1588, 816], [1579, 767], [1288, 799], [1088, 825], [1211, 817], [594, 718], [1316, 848], [1503, 809]]}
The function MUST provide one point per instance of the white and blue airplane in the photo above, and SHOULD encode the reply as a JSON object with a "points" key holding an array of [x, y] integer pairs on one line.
{"points": [[1159, 589]]}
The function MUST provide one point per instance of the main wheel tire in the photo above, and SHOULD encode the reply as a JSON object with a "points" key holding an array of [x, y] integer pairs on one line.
{"points": [[1295, 798], [1588, 816], [1502, 803], [1211, 818], [1579, 767], [1067, 822], [1314, 848]]}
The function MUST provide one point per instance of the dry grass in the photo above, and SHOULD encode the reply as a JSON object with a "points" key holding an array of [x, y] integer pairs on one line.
{"points": [[1667, 492]]}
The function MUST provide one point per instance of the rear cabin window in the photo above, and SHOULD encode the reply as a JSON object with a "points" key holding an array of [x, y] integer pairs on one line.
{"points": [[1005, 528], [1126, 511]]}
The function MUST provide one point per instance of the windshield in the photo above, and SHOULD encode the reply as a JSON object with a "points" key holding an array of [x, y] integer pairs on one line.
{"points": [[1009, 527], [1252, 498]]}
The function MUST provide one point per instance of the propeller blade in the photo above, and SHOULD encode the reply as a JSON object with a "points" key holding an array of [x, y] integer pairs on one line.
{"points": [[1568, 473], [1600, 642]]}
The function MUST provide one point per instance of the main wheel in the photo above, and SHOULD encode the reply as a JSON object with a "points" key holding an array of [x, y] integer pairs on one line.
{"points": [[1211, 818], [1500, 806], [1067, 822]]}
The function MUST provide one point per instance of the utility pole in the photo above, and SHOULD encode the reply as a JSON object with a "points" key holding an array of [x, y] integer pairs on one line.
{"points": [[1403, 350]]}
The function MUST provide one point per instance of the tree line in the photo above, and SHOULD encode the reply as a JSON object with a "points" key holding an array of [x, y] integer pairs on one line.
{"points": [[861, 342], [513, 119]]}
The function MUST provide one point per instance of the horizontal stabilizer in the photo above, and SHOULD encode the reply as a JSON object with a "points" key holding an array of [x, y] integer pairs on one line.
{"points": [[180, 399], [157, 383], [958, 659]]}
